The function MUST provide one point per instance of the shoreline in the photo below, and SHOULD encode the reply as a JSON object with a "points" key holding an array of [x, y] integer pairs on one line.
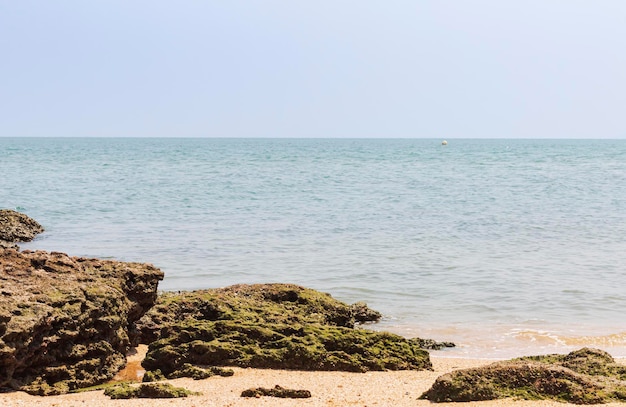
{"points": [[391, 388], [500, 342]]}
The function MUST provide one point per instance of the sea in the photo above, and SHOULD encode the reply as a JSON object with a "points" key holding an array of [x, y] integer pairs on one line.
{"points": [[505, 247]]}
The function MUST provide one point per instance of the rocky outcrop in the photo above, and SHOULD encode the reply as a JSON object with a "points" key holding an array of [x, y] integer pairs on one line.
{"points": [[586, 376], [280, 326], [67, 322], [16, 227]]}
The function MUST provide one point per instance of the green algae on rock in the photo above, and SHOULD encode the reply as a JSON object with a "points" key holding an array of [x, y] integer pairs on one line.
{"points": [[67, 322], [188, 370], [585, 376], [282, 326], [277, 391], [148, 390], [593, 362]]}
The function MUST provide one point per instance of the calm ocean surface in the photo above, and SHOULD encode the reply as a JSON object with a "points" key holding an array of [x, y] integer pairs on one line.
{"points": [[507, 247]]}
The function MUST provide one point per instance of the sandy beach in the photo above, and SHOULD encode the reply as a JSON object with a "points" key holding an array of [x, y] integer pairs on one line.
{"points": [[398, 389]]}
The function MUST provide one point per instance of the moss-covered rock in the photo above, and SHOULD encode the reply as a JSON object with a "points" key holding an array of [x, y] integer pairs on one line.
{"points": [[67, 322], [153, 376], [147, 390], [188, 370], [259, 303], [586, 376], [594, 362], [277, 391], [281, 326]]}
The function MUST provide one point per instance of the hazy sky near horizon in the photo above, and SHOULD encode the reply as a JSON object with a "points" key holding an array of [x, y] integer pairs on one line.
{"points": [[340, 68]]}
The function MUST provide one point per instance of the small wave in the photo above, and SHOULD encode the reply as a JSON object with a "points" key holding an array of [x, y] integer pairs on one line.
{"points": [[542, 338], [617, 339], [538, 337]]}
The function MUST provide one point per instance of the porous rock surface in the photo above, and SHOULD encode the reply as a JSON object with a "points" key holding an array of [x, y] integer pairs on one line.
{"points": [[67, 322], [16, 227], [585, 376], [281, 326]]}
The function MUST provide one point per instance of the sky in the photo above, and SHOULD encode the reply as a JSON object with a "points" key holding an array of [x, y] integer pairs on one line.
{"points": [[323, 68]]}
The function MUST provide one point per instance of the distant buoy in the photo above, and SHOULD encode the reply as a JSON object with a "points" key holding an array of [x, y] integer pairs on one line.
{"points": [[444, 143]]}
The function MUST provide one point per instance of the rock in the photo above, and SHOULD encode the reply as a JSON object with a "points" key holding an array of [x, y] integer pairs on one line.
{"points": [[67, 322], [148, 390], [281, 326], [8, 245], [277, 391], [17, 227], [586, 376], [431, 344], [362, 313], [188, 370], [153, 376]]}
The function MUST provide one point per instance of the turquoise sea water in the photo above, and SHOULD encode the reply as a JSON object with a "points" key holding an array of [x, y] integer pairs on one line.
{"points": [[507, 247]]}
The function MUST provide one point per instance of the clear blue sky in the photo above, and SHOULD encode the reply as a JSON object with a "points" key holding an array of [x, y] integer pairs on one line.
{"points": [[323, 68]]}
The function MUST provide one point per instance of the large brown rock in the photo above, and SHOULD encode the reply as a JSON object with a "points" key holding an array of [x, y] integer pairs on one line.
{"points": [[67, 322], [17, 227]]}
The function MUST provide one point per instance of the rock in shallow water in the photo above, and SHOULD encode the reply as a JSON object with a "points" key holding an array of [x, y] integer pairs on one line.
{"points": [[280, 326], [17, 227]]}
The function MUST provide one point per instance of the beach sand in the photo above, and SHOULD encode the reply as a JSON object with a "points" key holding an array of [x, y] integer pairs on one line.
{"points": [[397, 389]]}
